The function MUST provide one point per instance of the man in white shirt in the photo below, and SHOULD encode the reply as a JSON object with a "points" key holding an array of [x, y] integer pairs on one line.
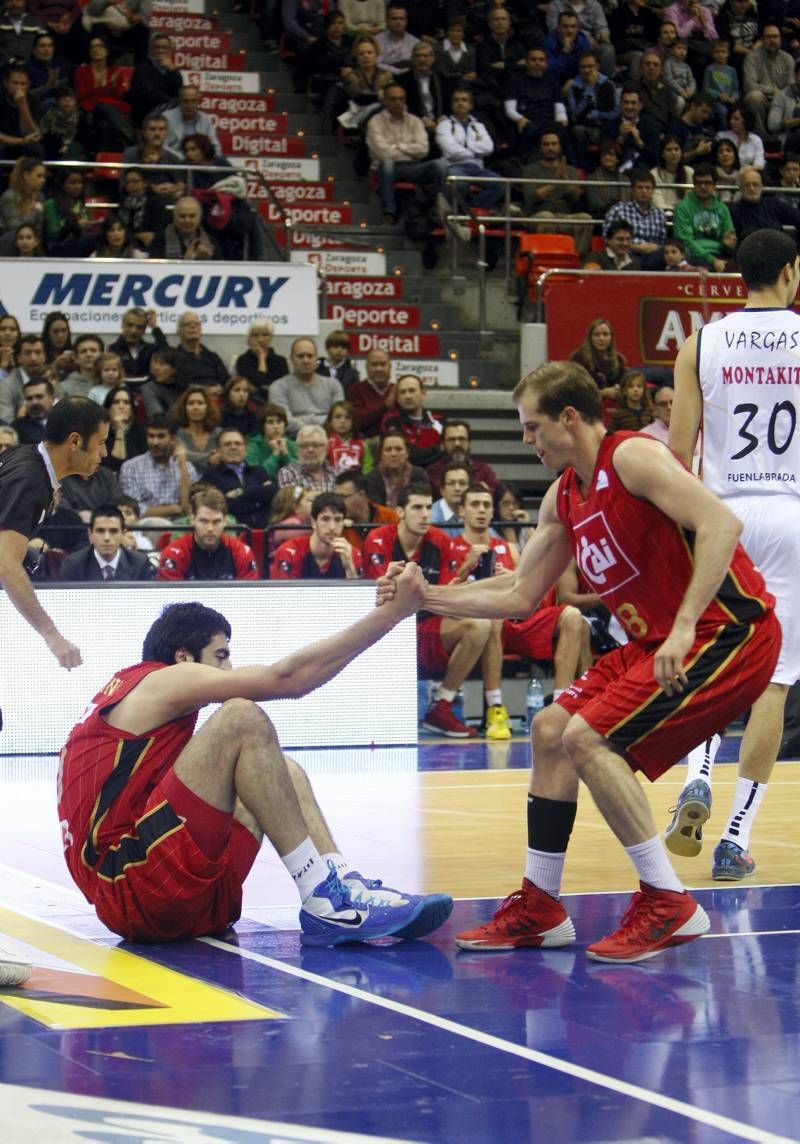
{"points": [[398, 145], [662, 405], [446, 512], [188, 119], [464, 141]]}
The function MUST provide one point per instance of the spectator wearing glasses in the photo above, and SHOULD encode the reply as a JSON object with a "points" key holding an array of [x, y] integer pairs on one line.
{"points": [[156, 81], [311, 470], [196, 363], [248, 489], [446, 512], [703, 222], [662, 408]]}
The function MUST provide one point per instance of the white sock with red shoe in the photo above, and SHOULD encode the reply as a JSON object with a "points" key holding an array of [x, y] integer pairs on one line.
{"points": [[546, 871], [653, 865]]}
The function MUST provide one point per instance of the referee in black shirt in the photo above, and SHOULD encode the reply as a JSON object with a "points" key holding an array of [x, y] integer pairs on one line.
{"points": [[74, 445]]}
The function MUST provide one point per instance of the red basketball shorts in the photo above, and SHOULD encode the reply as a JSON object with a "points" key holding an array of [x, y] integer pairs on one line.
{"points": [[534, 637], [432, 656], [157, 884], [727, 669]]}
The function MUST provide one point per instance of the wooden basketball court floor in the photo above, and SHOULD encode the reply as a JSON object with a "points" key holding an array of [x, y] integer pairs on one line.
{"points": [[252, 1037]]}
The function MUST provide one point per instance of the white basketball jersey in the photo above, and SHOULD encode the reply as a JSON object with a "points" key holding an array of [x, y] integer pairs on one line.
{"points": [[749, 370]]}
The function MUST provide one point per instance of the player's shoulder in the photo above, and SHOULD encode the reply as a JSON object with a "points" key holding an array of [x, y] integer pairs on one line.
{"points": [[21, 460], [437, 536], [378, 537], [180, 543], [289, 547]]}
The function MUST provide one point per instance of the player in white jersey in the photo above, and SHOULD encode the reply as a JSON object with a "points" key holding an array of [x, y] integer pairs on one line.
{"points": [[741, 376]]}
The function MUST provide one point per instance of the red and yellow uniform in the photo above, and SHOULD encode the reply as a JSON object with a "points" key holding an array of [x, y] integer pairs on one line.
{"points": [[127, 841], [615, 536]]}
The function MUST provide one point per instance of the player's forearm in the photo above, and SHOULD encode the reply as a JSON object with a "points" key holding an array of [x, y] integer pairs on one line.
{"points": [[20, 592], [714, 546], [492, 599], [309, 668]]}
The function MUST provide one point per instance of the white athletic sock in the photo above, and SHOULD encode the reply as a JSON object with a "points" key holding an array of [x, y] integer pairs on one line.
{"points": [[443, 693], [306, 868], [700, 760], [494, 698], [746, 801], [653, 866], [341, 865], [545, 870]]}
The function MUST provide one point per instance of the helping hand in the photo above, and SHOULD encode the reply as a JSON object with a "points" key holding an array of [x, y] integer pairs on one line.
{"points": [[386, 585], [411, 586]]}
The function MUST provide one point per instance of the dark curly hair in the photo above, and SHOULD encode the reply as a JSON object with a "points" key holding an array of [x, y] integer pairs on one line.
{"points": [[188, 626]]}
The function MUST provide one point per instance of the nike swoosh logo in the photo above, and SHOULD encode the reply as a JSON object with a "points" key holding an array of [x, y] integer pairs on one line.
{"points": [[354, 921]]}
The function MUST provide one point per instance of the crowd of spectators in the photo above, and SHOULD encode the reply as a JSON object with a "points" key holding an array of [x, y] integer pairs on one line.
{"points": [[582, 97], [93, 84], [588, 98], [181, 421]]}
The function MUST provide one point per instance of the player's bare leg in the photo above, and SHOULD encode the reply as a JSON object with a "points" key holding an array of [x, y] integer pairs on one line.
{"points": [[571, 654], [235, 763], [662, 914], [312, 812], [533, 915], [464, 641], [237, 753]]}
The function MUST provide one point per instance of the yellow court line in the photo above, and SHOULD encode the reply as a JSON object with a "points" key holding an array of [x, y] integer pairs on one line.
{"points": [[183, 999]]}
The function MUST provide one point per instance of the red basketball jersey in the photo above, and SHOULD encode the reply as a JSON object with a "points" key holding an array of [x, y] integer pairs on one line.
{"points": [[106, 776], [640, 561], [460, 548]]}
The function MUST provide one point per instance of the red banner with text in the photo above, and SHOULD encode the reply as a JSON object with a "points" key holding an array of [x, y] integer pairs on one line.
{"points": [[652, 315]]}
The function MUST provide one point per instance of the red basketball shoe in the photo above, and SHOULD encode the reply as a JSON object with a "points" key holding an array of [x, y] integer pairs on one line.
{"points": [[654, 920], [441, 717], [527, 917]]}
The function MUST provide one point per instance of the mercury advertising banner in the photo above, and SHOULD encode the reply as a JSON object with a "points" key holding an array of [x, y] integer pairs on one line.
{"points": [[228, 296]]}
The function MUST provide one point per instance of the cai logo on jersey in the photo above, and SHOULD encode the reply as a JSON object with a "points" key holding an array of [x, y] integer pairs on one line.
{"points": [[600, 556]]}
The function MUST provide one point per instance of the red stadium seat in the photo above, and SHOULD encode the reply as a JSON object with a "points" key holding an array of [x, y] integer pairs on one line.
{"points": [[540, 252]]}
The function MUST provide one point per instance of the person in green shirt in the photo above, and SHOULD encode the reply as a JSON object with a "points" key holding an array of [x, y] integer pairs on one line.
{"points": [[271, 448], [703, 222]]}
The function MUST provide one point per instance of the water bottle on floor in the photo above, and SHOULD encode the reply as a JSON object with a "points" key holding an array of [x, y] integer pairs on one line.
{"points": [[534, 699]]}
